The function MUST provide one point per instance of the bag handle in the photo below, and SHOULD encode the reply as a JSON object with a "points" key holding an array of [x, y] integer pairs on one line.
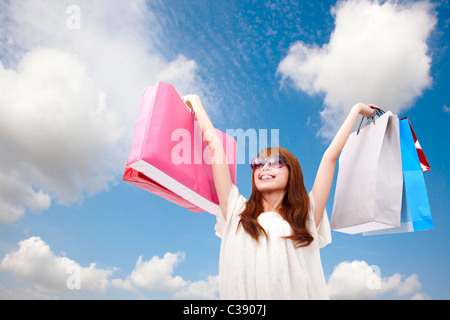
{"points": [[378, 112]]}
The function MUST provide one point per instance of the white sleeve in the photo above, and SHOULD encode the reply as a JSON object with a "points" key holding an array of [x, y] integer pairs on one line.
{"points": [[323, 231], [234, 206]]}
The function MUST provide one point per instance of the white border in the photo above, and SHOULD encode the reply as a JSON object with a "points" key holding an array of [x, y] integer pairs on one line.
{"points": [[175, 186]]}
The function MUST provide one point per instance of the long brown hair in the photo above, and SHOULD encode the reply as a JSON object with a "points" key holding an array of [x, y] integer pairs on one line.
{"points": [[295, 205]]}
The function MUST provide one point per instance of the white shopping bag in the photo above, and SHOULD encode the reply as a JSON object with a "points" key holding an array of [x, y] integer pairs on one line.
{"points": [[369, 186]]}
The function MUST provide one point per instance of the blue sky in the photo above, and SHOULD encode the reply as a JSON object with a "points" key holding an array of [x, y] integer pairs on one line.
{"points": [[71, 78]]}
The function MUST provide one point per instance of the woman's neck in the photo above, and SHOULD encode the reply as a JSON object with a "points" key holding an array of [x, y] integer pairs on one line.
{"points": [[273, 201]]}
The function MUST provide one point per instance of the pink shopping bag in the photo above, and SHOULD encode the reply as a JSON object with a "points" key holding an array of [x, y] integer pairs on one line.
{"points": [[169, 156]]}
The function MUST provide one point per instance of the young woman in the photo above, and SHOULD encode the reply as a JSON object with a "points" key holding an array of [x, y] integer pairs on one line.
{"points": [[270, 242]]}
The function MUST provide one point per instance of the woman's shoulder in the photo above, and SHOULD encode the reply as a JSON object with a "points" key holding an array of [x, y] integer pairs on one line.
{"points": [[322, 231], [236, 204], [236, 201]]}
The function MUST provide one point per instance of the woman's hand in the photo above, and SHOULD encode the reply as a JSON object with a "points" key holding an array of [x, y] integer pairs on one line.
{"points": [[193, 102], [365, 110]]}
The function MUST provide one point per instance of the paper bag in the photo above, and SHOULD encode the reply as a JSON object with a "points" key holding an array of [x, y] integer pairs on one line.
{"points": [[422, 159], [416, 213], [169, 155], [369, 185]]}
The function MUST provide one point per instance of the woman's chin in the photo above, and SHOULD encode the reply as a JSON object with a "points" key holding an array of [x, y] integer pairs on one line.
{"points": [[268, 186]]}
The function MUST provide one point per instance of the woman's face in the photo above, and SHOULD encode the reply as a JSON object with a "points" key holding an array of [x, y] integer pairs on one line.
{"points": [[268, 179]]}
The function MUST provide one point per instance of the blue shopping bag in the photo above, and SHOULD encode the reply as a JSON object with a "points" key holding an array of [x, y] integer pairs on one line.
{"points": [[415, 213]]}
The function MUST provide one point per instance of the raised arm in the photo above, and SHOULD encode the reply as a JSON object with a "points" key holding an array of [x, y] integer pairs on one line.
{"points": [[220, 169], [325, 174]]}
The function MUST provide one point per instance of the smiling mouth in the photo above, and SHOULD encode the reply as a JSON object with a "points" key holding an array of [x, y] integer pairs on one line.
{"points": [[266, 177]]}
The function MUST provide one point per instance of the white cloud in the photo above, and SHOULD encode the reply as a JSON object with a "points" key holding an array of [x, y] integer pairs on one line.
{"points": [[358, 280], [34, 263], [201, 289], [156, 276], [55, 131], [49, 276], [70, 98], [377, 54], [446, 109], [420, 296]]}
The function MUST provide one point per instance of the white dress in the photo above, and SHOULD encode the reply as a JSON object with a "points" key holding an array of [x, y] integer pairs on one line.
{"points": [[273, 268]]}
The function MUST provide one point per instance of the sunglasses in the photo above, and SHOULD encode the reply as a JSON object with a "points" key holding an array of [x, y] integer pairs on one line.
{"points": [[276, 162]]}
